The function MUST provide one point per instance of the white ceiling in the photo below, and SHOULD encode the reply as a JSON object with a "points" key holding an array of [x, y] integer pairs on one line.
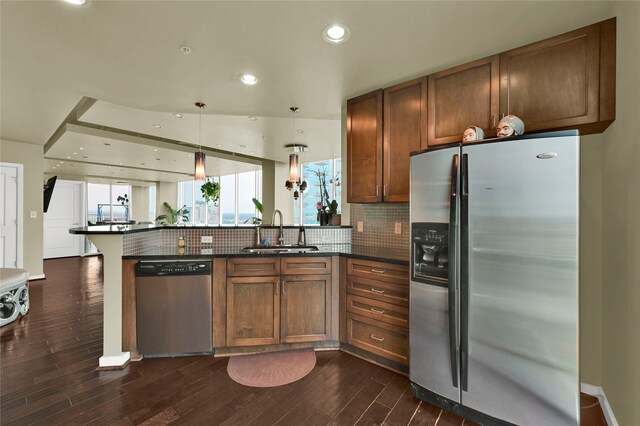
{"points": [[125, 54]]}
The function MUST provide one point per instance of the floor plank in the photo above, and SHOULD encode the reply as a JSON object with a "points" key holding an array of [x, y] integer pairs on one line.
{"points": [[48, 376]]}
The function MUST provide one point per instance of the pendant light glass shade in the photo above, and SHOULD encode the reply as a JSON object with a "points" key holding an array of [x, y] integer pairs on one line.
{"points": [[200, 172], [200, 168], [294, 175]]}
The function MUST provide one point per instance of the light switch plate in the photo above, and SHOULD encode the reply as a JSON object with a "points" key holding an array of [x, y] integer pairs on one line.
{"points": [[398, 228], [33, 214], [206, 239], [360, 226]]}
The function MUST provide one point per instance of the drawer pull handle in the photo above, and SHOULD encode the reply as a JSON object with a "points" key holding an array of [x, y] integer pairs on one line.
{"points": [[377, 311], [378, 271], [375, 290], [379, 339]]}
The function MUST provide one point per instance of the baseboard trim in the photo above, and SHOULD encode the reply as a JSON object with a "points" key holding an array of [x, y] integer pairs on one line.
{"points": [[114, 362], [598, 392], [36, 277]]}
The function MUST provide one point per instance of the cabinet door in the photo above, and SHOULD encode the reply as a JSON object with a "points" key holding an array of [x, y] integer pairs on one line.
{"points": [[253, 311], [553, 83], [464, 96], [305, 308], [405, 130], [364, 148]]}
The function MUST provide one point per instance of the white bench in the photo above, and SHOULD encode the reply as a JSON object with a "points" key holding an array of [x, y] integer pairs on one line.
{"points": [[14, 294]]}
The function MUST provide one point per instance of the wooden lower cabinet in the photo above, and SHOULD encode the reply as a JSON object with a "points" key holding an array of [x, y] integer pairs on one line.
{"points": [[388, 341], [375, 310], [305, 308], [253, 311], [295, 306]]}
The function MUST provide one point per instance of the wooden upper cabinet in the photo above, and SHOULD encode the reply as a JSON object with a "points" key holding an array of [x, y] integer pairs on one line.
{"points": [[567, 81], [464, 96], [364, 148], [405, 130]]}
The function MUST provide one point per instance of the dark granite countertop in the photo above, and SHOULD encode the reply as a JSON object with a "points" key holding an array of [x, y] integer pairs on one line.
{"points": [[129, 229], [380, 254]]}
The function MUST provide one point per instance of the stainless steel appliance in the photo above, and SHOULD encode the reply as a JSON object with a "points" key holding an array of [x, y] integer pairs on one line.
{"points": [[173, 301], [494, 279]]}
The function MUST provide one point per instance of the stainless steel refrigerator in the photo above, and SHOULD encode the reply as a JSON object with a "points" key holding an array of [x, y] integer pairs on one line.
{"points": [[494, 279]]}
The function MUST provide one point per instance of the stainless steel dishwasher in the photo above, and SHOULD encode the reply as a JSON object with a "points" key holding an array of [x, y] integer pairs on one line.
{"points": [[173, 300]]}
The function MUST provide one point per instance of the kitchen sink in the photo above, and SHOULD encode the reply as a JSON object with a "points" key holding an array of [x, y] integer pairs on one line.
{"points": [[279, 249]]}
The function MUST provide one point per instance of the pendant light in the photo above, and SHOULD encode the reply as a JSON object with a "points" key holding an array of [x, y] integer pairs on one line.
{"points": [[294, 162], [200, 172]]}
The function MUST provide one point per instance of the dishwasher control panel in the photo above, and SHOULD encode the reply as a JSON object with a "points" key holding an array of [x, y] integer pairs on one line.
{"points": [[173, 268]]}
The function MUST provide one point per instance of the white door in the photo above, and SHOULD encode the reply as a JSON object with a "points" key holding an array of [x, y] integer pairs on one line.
{"points": [[9, 217], [65, 211]]}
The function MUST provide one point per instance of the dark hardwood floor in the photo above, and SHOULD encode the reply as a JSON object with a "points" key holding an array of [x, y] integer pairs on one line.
{"points": [[48, 376]]}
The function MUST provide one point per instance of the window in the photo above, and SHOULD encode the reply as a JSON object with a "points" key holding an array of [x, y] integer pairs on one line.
{"points": [[234, 207], [108, 203], [306, 207], [152, 203]]}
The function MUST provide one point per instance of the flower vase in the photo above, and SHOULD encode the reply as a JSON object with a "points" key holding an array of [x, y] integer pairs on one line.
{"points": [[323, 218]]}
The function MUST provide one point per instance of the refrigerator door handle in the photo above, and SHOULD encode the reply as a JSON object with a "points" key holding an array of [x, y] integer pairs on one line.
{"points": [[453, 222], [464, 273]]}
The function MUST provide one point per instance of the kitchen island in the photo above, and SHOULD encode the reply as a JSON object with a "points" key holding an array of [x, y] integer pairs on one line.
{"points": [[124, 245]]}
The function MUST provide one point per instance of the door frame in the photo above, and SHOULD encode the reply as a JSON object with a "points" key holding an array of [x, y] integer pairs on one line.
{"points": [[20, 210]]}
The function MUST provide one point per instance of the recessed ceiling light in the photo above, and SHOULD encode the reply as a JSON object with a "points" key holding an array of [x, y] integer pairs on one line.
{"points": [[243, 146], [252, 118], [142, 164], [68, 158], [252, 152], [186, 50], [106, 143], [300, 131], [61, 162], [177, 115], [75, 153], [155, 149], [76, 2], [84, 156], [336, 33], [158, 159], [248, 79], [158, 126], [120, 164], [81, 148], [219, 144]]}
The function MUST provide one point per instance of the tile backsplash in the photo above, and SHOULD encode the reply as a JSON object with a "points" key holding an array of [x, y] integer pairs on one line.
{"points": [[228, 238], [379, 221]]}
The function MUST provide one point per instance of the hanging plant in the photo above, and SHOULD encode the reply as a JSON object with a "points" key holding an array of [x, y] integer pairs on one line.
{"points": [[210, 191]]}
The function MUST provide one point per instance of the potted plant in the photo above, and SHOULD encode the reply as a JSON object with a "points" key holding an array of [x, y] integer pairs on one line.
{"points": [[210, 192], [172, 216], [333, 211], [256, 220]]}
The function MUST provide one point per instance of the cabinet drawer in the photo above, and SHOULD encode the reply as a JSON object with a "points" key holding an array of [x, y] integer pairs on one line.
{"points": [[396, 294], [253, 266], [305, 265], [378, 270], [377, 310], [382, 339]]}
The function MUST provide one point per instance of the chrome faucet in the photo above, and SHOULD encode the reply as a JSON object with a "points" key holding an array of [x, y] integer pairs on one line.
{"points": [[281, 236]]}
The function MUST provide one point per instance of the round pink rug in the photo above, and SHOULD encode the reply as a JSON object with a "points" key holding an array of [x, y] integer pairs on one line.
{"points": [[271, 368]]}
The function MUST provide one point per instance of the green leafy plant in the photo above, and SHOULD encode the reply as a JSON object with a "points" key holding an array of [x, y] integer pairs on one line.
{"points": [[256, 220], [173, 216], [333, 207], [210, 191]]}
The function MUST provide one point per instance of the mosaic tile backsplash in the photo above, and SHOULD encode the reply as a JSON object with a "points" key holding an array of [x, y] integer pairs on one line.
{"points": [[228, 238], [379, 225]]}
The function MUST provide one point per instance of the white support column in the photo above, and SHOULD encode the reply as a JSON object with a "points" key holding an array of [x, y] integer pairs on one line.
{"points": [[110, 245]]}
